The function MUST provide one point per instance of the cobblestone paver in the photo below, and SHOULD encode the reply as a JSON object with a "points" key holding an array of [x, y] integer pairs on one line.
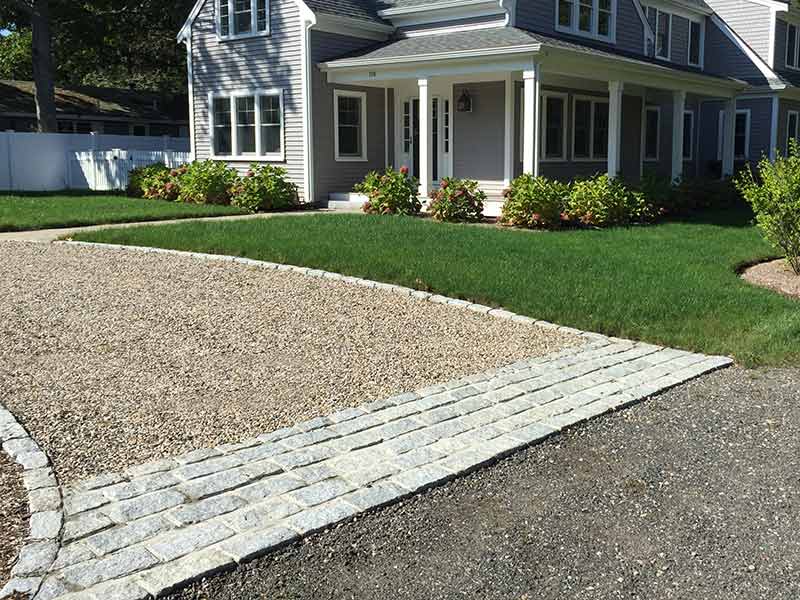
{"points": [[156, 527]]}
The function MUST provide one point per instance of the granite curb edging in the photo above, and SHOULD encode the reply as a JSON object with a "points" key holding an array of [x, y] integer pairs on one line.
{"points": [[45, 507]]}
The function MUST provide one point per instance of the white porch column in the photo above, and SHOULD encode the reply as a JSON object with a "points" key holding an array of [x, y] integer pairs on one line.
{"points": [[728, 136], [425, 162], [678, 108], [614, 127], [508, 148], [530, 128]]}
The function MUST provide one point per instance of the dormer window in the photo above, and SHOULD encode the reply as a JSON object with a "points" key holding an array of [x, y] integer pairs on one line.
{"points": [[242, 18], [587, 18], [792, 58]]}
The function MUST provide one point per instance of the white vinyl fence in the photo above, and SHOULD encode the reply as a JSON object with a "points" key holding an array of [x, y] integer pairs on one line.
{"points": [[37, 162]]}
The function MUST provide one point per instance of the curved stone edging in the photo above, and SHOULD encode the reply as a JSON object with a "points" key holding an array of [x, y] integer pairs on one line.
{"points": [[499, 313], [44, 504]]}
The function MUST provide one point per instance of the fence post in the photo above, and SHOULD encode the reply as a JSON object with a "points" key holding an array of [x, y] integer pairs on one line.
{"points": [[93, 161], [9, 135]]}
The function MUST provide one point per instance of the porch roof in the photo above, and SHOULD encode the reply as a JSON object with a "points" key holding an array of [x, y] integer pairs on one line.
{"points": [[502, 41]]}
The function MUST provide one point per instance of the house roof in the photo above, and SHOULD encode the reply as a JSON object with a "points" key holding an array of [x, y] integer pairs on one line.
{"points": [[365, 10], [17, 97], [480, 42]]}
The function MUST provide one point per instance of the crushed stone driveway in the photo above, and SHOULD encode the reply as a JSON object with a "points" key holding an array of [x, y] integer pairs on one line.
{"points": [[692, 495]]}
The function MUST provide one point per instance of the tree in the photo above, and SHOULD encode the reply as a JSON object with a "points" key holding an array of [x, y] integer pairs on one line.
{"points": [[15, 55]]}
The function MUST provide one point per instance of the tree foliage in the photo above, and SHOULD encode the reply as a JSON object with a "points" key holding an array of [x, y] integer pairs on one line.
{"points": [[15, 56]]}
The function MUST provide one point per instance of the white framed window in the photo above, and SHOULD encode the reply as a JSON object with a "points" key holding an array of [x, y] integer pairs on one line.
{"points": [[792, 129], [589, 128], [792, 47], [407, 127], [247, 124], [652, 133], [554, 126], [741, 135], [688, 135], [242, 18], [661, 22], [350, 125], [447, 126], [589, 18], [697, 35]]}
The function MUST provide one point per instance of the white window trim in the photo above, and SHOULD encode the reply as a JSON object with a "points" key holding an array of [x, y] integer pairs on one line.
{"points": [[789, 135], [702, 54], [721, 135], [593, 100], [543, 126], [690, 157], [594, 35], [363, 97], [668, 57], [257, 155], [657, 157], [254, 32], [796, 66]]}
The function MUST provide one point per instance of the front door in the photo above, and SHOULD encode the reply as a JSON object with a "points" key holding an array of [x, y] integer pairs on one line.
{"points": [[412, 143]]}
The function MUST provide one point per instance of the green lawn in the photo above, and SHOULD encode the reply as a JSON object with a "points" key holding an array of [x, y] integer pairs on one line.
{"points": [[672, 284], [24, 212]]}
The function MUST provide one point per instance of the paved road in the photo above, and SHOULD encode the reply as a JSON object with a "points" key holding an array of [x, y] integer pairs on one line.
{"points": [[694, 495]]}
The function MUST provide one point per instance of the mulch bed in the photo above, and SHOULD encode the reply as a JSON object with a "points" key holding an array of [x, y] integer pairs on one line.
{"points": [[775, 275], [13, 515]]}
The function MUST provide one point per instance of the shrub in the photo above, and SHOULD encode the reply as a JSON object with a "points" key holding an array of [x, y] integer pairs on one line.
{"points": [[164, 184], [457, 200], [776, 202], [390, 193], [603, 201], [534, 202], [207, 182], [701, 193], [264, 187], [138, 178], [661, 193]]}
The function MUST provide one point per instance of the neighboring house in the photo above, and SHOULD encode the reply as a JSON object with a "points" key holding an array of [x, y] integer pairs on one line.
{"points": [[101, 110], [484, 89]]}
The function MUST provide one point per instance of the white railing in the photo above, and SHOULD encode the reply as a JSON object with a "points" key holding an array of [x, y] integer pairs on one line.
{"points": [[51, 162]]}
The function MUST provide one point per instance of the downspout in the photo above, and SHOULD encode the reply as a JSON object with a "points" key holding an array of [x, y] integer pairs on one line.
{"points": [[510, 6]]}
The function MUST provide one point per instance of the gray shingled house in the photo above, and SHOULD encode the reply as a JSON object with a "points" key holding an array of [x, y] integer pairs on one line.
{"points": [[485, 89]]}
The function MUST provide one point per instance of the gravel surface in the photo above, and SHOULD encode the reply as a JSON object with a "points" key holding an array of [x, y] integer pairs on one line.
{"points": [[13, 515], [692, 495], [776, 275], [112, 358]]}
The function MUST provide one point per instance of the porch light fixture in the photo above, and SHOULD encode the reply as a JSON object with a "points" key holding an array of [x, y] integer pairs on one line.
{"points": [[464, 104]]}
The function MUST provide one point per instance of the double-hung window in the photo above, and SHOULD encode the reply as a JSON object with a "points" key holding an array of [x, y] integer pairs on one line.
{"points": [[652, 132], [688, 135], [554, 126], [661, 22], [590, 129], [792, 47], [696, 41], [350, 124], [248, 125], [741, 135], [590, 18], [792, 128], [242, 18]]}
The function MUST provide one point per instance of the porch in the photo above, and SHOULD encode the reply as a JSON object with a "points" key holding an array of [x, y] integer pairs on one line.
{"points": [[472, 112]]}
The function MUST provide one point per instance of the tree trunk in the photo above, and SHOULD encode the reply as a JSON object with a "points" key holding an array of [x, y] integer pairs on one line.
{"points": [[43, 67]]}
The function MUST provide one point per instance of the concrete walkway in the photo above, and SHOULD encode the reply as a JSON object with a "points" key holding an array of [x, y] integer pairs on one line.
{"points": [[51, 235]]}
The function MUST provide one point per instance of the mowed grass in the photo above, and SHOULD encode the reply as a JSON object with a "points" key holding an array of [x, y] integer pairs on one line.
{"points": [[25, 212], [673, 284]]}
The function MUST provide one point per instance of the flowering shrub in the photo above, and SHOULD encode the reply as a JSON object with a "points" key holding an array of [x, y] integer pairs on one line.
{"points": [[265, 187], [138, 178], [534, 202], [457, 200], [776, 201], [603, 202], [390, 193], [164, 184], [207, 182]]}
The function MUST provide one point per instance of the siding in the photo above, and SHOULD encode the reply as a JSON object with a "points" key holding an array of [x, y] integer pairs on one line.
{"points": [[478, 137], [540, 16], [724, 57], [748, 19], [259, 62], [332, 176]]}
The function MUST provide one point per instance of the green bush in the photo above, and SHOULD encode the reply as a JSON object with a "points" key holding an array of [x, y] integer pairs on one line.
{"points": [[138, 178], [534, 202], [702, 193], [603, 202], [207, 182], [164, 185], [457, 200], [775, 199], [265, 187], [390, 193]]}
